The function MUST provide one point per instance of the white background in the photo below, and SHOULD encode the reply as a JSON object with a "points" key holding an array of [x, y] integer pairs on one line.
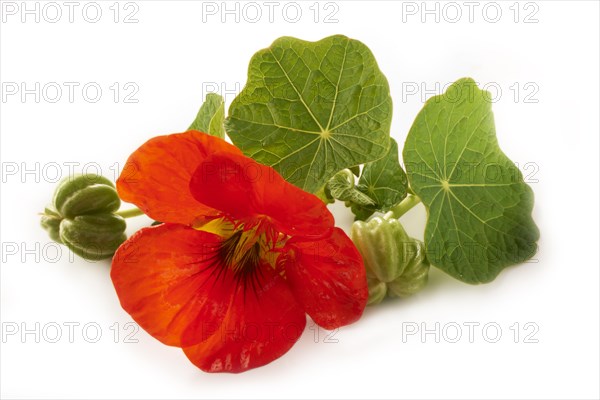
{"points": [[171, 54]]}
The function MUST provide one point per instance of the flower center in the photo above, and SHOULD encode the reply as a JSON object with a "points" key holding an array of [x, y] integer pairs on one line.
{"points": [[241, 252]]}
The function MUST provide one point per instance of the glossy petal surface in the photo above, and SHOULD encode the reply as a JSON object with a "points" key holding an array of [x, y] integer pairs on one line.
{"points": [[156, 176], [259, 327], [167, 281], [247, 190], [328, 277]]}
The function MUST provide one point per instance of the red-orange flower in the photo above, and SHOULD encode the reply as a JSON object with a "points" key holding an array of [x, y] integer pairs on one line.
{"points": [[241, 258]]}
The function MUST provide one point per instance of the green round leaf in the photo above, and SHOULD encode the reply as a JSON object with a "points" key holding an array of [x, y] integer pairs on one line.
{"points": [[211, 116], [311, 109], [479, 208]]}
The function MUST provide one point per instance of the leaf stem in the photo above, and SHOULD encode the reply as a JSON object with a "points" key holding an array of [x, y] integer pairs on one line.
{"points": [[405, 205], [133, 212]]}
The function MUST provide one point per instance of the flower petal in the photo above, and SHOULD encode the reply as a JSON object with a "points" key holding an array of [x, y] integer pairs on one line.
{"points": [[328, 277], [260, 326], [156, 176], [167, 281], [247, 190]]}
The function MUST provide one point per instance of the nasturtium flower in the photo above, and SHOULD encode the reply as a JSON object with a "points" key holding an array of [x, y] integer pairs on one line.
{"points": [[240, 259]]}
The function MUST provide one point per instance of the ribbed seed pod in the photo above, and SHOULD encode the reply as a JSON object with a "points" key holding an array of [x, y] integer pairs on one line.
{"points": [[396, 264], [82, 217]]}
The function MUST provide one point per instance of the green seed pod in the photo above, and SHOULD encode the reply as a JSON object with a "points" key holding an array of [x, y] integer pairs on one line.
{"points": [[396, 264], [377, 290], [85, 194], [51, 223], [82, 217], [93, 237]]}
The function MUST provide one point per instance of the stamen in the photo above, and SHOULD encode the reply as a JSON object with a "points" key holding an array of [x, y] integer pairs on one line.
{"points": [[240, 254]]}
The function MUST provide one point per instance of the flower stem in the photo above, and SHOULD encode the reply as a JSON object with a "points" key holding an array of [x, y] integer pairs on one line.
{"points": [[405, 205], [133, 212]]}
